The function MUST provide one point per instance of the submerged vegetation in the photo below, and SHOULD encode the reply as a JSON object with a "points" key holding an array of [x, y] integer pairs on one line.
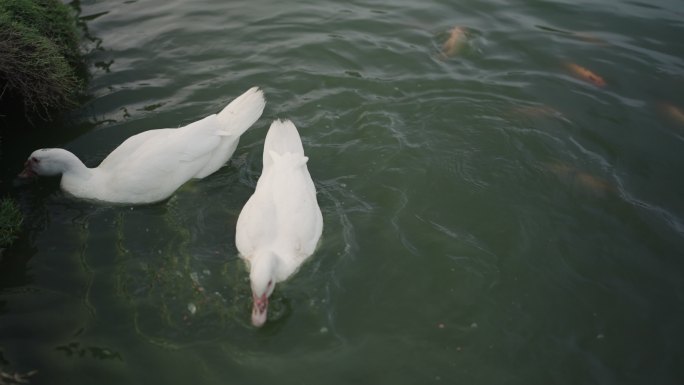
{"points": [[41, 67]]}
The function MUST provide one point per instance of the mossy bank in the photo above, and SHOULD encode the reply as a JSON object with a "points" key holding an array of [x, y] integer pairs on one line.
{"points": [[41, 66]]}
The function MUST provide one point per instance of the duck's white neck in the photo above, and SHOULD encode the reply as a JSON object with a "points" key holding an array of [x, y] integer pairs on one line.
{"points": [[68, 162], [262, 271], [75, 174]]}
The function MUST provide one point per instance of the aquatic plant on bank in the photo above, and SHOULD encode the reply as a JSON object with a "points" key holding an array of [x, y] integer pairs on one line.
{"points": [[41, 67], [10, 222]]}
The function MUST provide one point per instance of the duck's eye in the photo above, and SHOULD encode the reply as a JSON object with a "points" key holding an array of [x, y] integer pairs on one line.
{"points": [[269, 283], [35, 160]]}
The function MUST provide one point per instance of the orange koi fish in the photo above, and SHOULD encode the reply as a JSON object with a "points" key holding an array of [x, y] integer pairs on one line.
{"points": [[580, 178], [538, 111], [585, 74], [590, 38], [675, 113], [596, 185], [454, 43]]}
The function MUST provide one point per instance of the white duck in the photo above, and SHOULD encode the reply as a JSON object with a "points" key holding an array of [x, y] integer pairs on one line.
{"points": [[150, 166], [281, 223]]}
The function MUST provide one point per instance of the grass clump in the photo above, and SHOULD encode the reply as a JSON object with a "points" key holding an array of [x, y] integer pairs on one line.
{"points": [[41, 67], [10, 222]]}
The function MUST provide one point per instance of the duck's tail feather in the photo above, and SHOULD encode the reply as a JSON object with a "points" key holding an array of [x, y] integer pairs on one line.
{"points": [[282, 138], [242, 112], [233, 121]]}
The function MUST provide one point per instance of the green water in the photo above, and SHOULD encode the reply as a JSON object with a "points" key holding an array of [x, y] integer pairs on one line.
{"points": [[489, 217]]}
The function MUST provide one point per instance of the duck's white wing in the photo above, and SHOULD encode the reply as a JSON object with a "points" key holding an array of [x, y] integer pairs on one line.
{"points": [[131, 145], [157, 162], [255, 226], [282, 216], [185, 143], [298, 216]]}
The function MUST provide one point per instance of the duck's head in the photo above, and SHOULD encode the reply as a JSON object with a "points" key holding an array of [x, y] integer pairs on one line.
{"points": [[46, 162], [262, 278]]}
